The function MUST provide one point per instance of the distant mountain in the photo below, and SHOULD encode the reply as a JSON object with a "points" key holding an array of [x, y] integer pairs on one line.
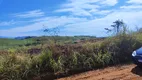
{"points": [[24, 37]]}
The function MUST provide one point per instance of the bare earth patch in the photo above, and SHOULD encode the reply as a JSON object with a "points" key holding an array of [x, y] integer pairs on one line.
{"points": [[125, 72]]}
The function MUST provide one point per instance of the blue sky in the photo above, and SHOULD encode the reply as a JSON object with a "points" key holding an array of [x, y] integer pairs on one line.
{"points": [[72, 17]]}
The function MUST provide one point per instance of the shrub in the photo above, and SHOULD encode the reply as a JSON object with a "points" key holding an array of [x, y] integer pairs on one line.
{"points": [[12, 67], [121, 47], [67, 58]]}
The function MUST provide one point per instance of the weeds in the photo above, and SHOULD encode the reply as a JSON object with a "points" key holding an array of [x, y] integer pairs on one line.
{"points": [[55, 59]]}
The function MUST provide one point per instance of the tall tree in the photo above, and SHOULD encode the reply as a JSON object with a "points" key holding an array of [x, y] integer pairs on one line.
{"points": [[118, 25]]}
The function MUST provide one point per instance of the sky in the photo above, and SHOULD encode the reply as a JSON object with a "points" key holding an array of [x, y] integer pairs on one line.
{"points": [[71, 17]]}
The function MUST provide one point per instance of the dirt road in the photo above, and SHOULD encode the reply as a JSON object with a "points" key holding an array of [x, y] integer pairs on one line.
{"points": [[125, 72]]}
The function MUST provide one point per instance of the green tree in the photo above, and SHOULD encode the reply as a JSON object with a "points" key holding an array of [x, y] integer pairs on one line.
{"points": [[118, 26]]}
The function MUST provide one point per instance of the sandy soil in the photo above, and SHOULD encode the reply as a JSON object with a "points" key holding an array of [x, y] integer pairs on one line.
{"points": [[125, 72]]}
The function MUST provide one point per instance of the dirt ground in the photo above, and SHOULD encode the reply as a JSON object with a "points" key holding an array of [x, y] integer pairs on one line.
{"points": [[125, 72]]}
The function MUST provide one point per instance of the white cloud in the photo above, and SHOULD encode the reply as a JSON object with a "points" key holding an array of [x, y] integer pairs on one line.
{"points": [[84, 7], [132, 7], [135, 1], [49, 22], [131, 14], [29, 14], [110, 2], [75, 11], [79, 26], [7, 23], [96, 26], [101, 12]]}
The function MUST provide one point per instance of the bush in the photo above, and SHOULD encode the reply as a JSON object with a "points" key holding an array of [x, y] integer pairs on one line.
{"points": [[121, 47], [55, 59], [12, 67]]}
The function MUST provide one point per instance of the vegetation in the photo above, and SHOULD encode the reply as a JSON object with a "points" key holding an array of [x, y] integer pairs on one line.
{"points": [[13, 43], [117, 27], [45, 59]]}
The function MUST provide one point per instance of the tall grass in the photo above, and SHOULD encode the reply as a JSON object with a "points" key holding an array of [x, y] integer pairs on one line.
{"points": [[64, 59]]}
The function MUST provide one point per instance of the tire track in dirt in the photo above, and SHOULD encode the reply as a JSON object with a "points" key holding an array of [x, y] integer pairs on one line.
{"points": [[125, 72]]}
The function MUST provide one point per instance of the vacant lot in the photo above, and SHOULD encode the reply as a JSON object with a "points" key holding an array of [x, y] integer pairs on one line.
{"points": [[125, 72]]}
